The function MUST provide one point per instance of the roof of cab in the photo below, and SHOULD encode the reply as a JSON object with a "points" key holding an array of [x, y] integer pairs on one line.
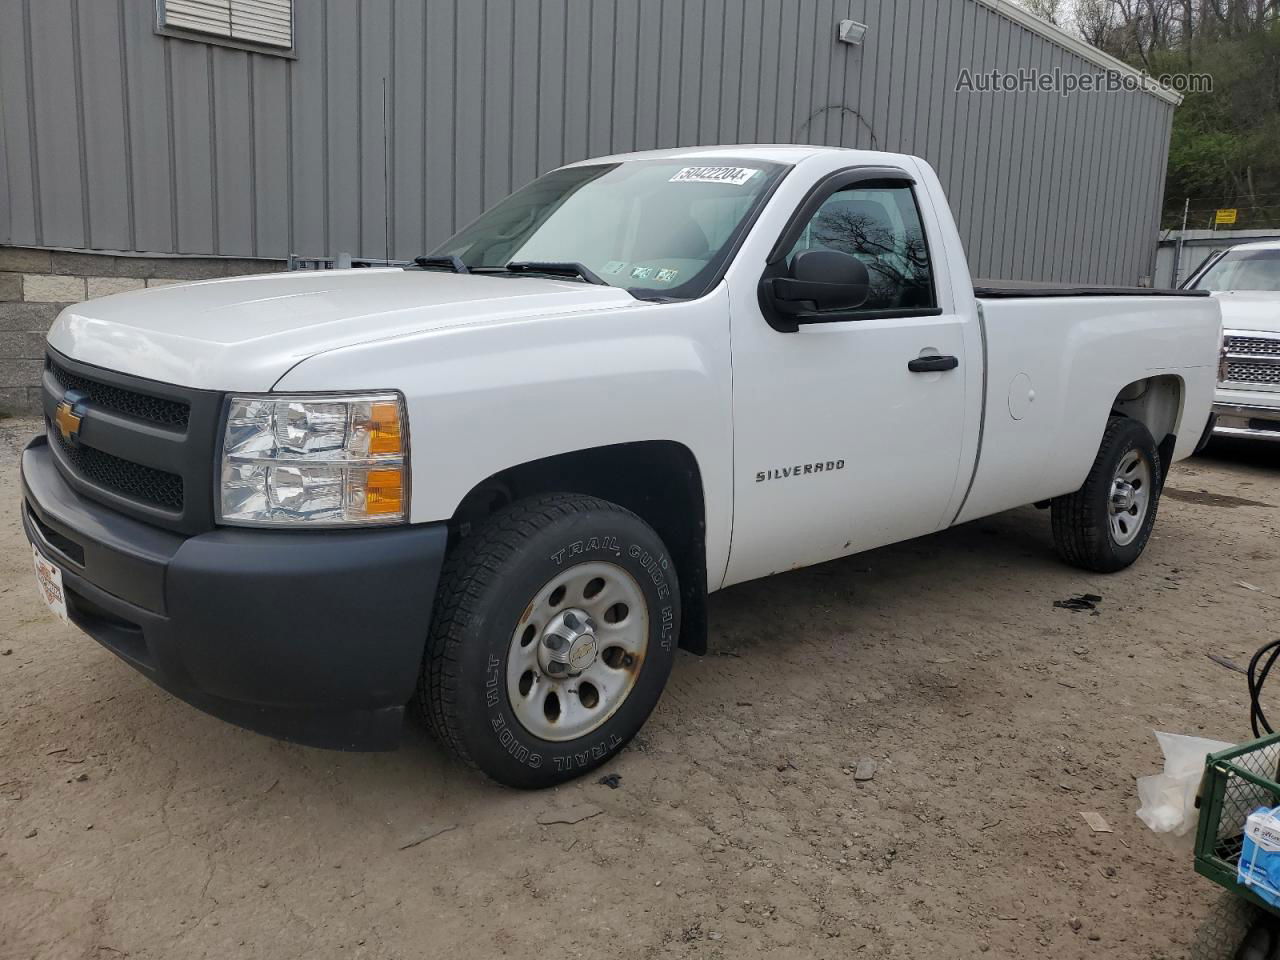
{"points": [[769, 152], [1258, 245]]}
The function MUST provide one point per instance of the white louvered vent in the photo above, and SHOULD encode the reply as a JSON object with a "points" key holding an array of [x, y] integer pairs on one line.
{"points": [[269, 22], [263, 21], [205, 16]]}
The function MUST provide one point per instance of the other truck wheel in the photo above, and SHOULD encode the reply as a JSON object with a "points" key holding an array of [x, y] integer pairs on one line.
{"points": [[554, 633], [1105, 525]]}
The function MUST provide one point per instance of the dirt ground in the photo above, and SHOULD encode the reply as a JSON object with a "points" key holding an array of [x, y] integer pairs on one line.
{"points": [[133, 825]]}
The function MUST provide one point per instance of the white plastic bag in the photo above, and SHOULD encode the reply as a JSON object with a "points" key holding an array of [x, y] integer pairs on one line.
{"points": [[1169, 798]]}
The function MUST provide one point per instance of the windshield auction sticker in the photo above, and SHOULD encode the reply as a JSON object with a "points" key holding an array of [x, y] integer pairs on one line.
{"points": [[735, 175]]}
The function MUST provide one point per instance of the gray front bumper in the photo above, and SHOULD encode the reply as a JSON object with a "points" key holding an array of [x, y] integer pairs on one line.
{"points": [[310, 636]]}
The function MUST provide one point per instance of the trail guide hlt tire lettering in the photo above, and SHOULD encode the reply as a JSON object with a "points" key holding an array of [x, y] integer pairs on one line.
{"points": [[491, 586]]}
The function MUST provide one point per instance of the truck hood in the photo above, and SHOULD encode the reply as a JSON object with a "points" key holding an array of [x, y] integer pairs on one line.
{"points": [[245, 333], [1250, 310]]}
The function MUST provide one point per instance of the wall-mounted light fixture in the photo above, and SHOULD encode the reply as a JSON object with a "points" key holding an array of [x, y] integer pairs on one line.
{"points": [[851, 32]]}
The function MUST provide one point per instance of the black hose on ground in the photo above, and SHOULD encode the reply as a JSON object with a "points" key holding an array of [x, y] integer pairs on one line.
{"points": [[1259, 669]]}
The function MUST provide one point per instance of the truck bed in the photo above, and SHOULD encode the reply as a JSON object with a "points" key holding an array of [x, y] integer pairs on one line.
{"points": [[1021, 290], [1053, 368]]}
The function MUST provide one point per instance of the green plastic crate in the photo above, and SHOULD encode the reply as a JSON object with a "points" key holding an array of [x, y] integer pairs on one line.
{"points": [[1236, 783]]}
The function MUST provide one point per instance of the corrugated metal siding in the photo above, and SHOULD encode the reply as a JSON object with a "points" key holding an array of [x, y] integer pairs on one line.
{"points": [[402, 119]]}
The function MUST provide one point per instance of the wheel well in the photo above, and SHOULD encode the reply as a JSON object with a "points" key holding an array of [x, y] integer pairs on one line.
{"points": [[1156, 402], [658, 480]]}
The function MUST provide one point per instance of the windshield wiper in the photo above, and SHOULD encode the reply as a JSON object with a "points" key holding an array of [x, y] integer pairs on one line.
{"points": [[451, 263], [556, 269]]}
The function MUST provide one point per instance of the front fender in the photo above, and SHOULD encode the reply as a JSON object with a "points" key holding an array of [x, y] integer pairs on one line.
{"points": [[486, 397]]}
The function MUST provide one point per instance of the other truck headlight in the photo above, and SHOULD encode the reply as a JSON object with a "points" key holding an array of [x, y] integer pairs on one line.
{"points": [[309, 459]]}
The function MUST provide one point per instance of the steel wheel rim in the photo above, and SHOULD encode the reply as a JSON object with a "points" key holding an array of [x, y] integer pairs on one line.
{"points": [[1130, 497], [573, 704]]}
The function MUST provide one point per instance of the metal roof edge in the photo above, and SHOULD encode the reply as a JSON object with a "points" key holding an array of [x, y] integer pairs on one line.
{"points": [[1025, 18]]}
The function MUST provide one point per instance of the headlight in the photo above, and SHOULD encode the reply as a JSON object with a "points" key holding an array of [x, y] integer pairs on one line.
{"points": [[308, 459]]}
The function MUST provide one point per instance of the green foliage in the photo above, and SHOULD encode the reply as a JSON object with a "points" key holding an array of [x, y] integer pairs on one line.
{"points": [[1225, 149]]}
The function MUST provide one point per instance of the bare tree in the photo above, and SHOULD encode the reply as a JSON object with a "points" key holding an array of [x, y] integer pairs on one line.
{"points": [[1134, 29], [1051, 10], [1096, 22]]}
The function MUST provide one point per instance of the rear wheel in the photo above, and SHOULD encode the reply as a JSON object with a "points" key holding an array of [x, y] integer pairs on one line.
{"points": [[1105, 525], [555, 631]]}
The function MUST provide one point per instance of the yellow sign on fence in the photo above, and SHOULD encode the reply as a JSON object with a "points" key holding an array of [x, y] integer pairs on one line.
{"points": [[1227, 217]]}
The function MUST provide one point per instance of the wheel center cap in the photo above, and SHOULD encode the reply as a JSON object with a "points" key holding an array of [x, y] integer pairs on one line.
{"points": [[1123, 496], [568, 645], [583, 653]]}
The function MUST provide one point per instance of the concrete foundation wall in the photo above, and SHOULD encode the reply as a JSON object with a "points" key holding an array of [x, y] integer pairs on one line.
{"points": [[36, 284]]}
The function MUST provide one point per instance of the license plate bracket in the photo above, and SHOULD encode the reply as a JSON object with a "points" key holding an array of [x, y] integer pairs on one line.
{"points": [[49, 582]]}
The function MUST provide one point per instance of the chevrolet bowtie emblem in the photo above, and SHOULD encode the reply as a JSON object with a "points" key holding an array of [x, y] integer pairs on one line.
{"points": [[69, 414]]}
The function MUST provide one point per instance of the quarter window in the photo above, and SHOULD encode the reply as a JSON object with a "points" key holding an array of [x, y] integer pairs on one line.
{"points": [[880, 225]]}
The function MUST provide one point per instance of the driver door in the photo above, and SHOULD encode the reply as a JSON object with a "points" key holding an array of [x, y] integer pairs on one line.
{"points": [[839, 446]]}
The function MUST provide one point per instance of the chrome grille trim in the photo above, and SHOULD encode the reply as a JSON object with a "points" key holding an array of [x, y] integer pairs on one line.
{"points": [[1253, 359]]}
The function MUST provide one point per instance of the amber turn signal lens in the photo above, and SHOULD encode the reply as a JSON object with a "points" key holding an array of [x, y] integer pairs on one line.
{"points": [[384, 429], [384, 492]]}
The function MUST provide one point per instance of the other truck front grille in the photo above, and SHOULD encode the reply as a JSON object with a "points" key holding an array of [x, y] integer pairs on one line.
{"points": [[1253, 360], [129, 479], [141, 406], [1253, 346], [1239, 371]]}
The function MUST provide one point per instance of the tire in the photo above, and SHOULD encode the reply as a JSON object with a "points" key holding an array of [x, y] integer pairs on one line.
{"points": [[502, 642], [1089, 529], [1232, 922]]}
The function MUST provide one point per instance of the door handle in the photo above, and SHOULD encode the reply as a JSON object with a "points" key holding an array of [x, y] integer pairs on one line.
{"points": [[932, 364]]}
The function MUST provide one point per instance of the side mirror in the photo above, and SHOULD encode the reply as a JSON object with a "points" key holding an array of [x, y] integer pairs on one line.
{"points": [[820, 285]]}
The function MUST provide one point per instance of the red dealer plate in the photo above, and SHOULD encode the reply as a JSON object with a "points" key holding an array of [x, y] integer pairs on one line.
{"points": [[49, 580]]}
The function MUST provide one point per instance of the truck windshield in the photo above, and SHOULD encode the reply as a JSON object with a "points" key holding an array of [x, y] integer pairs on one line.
{"points": [[661, 229], [1243, 270]]}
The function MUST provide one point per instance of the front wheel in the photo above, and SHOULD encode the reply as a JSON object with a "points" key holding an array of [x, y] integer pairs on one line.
{"points": [[554, 633], [1105, 525]]}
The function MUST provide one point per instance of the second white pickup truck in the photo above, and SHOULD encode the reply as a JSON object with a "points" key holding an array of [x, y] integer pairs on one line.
{"points": [[504, 480], [1245, 280]]}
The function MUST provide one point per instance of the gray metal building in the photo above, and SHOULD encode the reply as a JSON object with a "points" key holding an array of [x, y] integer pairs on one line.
{"points": [[260, 128]]}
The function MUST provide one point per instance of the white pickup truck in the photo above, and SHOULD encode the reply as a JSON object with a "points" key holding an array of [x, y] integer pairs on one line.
{"points": [[503, 480], [1245, 280]]}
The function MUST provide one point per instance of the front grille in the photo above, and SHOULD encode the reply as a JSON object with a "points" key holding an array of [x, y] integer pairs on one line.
{"points": [[1253, 346], [133, 480], [169, 413], [144, 448], [1242, 371]]}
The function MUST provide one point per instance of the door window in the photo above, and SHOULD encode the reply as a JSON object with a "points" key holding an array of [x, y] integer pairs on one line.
{"points": [[880, 225]]}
